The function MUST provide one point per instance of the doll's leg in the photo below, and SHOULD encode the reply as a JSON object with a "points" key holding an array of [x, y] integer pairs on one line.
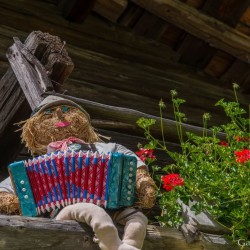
{"points": [[100, 222], [135, 226]]}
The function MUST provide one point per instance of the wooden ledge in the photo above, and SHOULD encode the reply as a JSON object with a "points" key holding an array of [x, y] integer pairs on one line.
{"points": [[40, 233]]}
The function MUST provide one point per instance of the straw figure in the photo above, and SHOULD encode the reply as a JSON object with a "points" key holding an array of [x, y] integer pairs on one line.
{"points": [[60, 124]]}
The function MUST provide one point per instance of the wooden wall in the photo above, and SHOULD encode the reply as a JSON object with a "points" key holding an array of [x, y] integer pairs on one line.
{"points": [[193, 51], [117, 67]]}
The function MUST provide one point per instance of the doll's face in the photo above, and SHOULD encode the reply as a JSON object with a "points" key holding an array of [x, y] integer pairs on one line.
{"points": [[54, 124], [60, 122]]}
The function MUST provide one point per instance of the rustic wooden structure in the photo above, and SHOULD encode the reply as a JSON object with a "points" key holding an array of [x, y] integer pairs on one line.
{"points": [[38, 233], [18, 96], [125, 63], [218, 32], [35, 83]]}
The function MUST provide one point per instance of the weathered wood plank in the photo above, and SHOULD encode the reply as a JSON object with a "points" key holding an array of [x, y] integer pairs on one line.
{"points": [[228, 12], [138, 101], [195, 3], [236, 73], [26, 76], [13, 104], [11, 99], [173, 36], [214, 32], [130, 116], [110, 9], [245, 83], [13, 107], [142, 85], [131, 15], [40, 233], [36, 43], [200, 54], [219, 64], [42, 78], [150, 26], [52, 53], [93, 34]]}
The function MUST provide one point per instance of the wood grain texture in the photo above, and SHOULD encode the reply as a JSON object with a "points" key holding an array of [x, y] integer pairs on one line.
{"points": [[93, 34], [130, 116], [25, 75], [140, 87], [110, 9], [212, 31], [40, 233], [13, 104], [227, 11]]}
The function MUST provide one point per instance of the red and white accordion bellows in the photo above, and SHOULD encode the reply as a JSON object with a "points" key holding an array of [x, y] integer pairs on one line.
{"points": [[67, 177]]}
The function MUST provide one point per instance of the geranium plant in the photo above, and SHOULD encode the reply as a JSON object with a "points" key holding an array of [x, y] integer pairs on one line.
{"points": [[212, 169]]}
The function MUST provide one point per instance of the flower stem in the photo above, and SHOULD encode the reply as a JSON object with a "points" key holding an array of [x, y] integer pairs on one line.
{"points": [[162, 128]]}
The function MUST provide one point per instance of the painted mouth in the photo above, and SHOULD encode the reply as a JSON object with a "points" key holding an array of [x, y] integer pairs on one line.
{"points": [[62, 124]]}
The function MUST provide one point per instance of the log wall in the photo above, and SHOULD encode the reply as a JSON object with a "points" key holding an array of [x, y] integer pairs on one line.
{"points": [[223, 17], [117, 68]]}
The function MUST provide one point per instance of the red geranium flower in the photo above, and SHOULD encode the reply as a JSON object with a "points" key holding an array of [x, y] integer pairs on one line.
{"points": [[145, 153], [172, 180], [244, 139], [224, 143], [242, 156]]}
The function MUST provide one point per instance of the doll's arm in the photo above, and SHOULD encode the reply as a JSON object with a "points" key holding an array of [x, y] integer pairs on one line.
{"points": [[9, 203], [8, 200], [145, 185], [145, 188]]}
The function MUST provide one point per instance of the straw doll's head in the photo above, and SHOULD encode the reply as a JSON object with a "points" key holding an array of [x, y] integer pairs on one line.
{"points": [[56, 119]]}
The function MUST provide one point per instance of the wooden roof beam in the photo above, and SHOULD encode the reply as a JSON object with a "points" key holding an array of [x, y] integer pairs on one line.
{"points": [[212, 31]]}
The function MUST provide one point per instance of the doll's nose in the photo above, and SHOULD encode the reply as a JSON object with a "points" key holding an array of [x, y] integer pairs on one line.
{"points": [[59, 113]]}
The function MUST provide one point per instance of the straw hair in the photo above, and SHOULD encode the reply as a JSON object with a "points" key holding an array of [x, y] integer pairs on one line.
{"points": [[40, 130]]}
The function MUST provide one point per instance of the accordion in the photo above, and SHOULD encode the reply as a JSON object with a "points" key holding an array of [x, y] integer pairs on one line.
{"points": [[62, 178]]}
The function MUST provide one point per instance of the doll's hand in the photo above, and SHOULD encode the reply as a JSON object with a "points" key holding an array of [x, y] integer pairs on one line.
{"points": [[9, 203], [145, 188]]}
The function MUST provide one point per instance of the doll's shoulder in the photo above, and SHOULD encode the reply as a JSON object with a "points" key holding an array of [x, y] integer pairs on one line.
{"points": [[106, 147], [6, 186]]}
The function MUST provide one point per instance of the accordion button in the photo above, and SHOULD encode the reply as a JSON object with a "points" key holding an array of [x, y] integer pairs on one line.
{"points": [[26, 196], [131, 169], [129, 186], [130, 181], [130, 175], [22, 182], [129, 192], [128, 198], [23, 189], [131, 163]]}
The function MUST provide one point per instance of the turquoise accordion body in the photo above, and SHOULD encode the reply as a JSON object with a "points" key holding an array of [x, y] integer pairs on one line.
{"points": [[67, 177]]}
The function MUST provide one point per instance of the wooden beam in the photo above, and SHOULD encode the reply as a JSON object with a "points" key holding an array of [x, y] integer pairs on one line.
{"points": [[32, 78], [227, 11], [39, 233], [50, 51], [212, 31], [130, 116], [110, 9]]}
